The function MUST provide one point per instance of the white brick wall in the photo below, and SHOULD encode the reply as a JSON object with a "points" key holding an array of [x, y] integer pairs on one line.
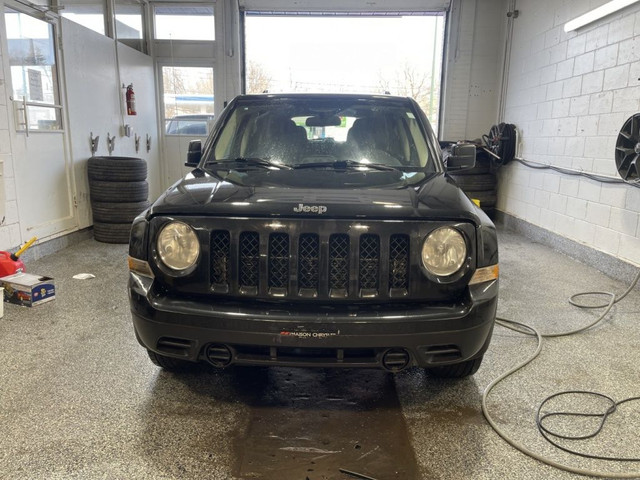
{"points": [[569, 94]]}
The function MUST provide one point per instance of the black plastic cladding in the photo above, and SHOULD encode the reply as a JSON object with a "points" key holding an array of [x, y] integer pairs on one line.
{"points": [[277, 270]]}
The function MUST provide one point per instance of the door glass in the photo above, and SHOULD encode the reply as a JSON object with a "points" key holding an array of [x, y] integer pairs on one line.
{"points": [[188, 100], [33, 71]]}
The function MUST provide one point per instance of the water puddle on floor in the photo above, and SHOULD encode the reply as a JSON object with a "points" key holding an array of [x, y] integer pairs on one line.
{"points": [[316, 424]]}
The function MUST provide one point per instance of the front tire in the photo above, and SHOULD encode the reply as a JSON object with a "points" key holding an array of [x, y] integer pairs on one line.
{"points": [[459, 370], [169, 363]]}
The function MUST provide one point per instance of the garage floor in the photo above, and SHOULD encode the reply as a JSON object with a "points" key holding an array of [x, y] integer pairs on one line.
{"points": [[80, 399]]}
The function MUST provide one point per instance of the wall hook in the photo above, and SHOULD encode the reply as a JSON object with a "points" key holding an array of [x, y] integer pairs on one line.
{"points": [[148, 143], [94, 143], [136, 140], [110, 142]]}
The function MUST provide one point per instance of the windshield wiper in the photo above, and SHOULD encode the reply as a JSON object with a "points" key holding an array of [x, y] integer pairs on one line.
{"points": [[249, 162], [347, 164]]}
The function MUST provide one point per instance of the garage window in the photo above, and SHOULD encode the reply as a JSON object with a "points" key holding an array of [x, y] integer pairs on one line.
{"points": [[88, 13], [34, 79], [397, 53], [129, 24], [178, 22]]}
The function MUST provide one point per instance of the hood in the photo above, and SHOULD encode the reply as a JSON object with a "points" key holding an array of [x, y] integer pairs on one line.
{"points": [[200, 194]]}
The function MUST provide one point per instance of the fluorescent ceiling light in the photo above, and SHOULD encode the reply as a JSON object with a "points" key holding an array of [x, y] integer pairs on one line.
{"points": [[597, 13]]}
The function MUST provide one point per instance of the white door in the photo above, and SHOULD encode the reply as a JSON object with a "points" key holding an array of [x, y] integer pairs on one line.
{"points": [[44, 186]]}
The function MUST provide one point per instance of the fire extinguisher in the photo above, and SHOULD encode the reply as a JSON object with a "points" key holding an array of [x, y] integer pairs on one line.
{"points": [[131, 100]]}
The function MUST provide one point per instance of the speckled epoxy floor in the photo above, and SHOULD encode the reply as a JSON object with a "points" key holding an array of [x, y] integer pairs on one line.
{"points": [[80, 399]]}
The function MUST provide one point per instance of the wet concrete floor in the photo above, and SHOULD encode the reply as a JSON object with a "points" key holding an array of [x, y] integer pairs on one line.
{"points": [[311, 424]]}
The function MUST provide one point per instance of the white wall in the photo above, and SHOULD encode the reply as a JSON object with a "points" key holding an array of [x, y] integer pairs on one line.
{"points": [[89, 70], [569, 94], [9, 221], [94, 97], [473, 68]]}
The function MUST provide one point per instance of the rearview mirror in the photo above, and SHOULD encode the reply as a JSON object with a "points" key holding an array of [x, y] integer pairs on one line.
{"points": [[462, 157], [194, 154], [324, 121]]}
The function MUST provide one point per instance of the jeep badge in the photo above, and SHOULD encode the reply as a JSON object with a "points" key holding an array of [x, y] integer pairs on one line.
{"points": [[319, 209]]}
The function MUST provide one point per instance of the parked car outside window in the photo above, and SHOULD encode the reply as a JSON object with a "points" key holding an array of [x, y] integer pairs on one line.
{"points": [[189, 125]]}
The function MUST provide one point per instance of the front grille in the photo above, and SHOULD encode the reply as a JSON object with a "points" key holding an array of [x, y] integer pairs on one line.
{"points": [[338, 264], [249, 267], [312, 264], [369, 263], [398, 261], [220, 258], [278, 263], [308, 261]]}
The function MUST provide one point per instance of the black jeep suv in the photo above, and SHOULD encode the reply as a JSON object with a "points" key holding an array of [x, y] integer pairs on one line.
{"points": [[317, 230]]}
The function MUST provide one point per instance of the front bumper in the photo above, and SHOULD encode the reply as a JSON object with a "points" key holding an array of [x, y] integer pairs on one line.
{"points": [[425, 335]]}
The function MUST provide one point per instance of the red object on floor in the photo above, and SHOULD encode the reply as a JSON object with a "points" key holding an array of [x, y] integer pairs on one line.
{"points": [[9, 266]]}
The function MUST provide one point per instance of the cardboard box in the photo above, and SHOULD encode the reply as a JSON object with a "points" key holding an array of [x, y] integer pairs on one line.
{"points": [[27, 289]]}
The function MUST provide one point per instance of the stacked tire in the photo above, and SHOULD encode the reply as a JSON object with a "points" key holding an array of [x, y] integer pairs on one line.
{"points": [[479, 182], [119, 192]]}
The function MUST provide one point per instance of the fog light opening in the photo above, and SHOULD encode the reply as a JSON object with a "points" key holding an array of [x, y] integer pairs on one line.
{"points": [[395, 359], [219, 355]]}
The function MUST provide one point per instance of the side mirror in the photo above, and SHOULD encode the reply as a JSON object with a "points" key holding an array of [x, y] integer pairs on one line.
{"points": [[463, 156], [194, 154]]}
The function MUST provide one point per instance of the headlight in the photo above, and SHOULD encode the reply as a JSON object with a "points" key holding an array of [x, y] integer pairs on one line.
{"points": [[444, 251], [178, 246]]}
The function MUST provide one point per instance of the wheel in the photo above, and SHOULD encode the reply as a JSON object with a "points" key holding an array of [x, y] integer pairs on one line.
{"points": [[459, 370], [170, 363], [628, 149], [118, 191], [117, 169], [109, 212], [111, 232], [502, 141]]}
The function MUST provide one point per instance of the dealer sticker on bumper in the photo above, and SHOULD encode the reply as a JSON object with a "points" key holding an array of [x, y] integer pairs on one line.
{"points": [[308, 334]]}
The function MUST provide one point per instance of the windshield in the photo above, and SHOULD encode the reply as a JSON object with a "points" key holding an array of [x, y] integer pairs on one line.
{"points": [[319, 132]]}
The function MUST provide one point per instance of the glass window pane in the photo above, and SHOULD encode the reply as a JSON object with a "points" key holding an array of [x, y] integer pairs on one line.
{"points": [[88, 13], [188, 100], [44, 118], [174, 22], [401, 55], [129, 23], [128, 20], [32, 62], [32, 58]]}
